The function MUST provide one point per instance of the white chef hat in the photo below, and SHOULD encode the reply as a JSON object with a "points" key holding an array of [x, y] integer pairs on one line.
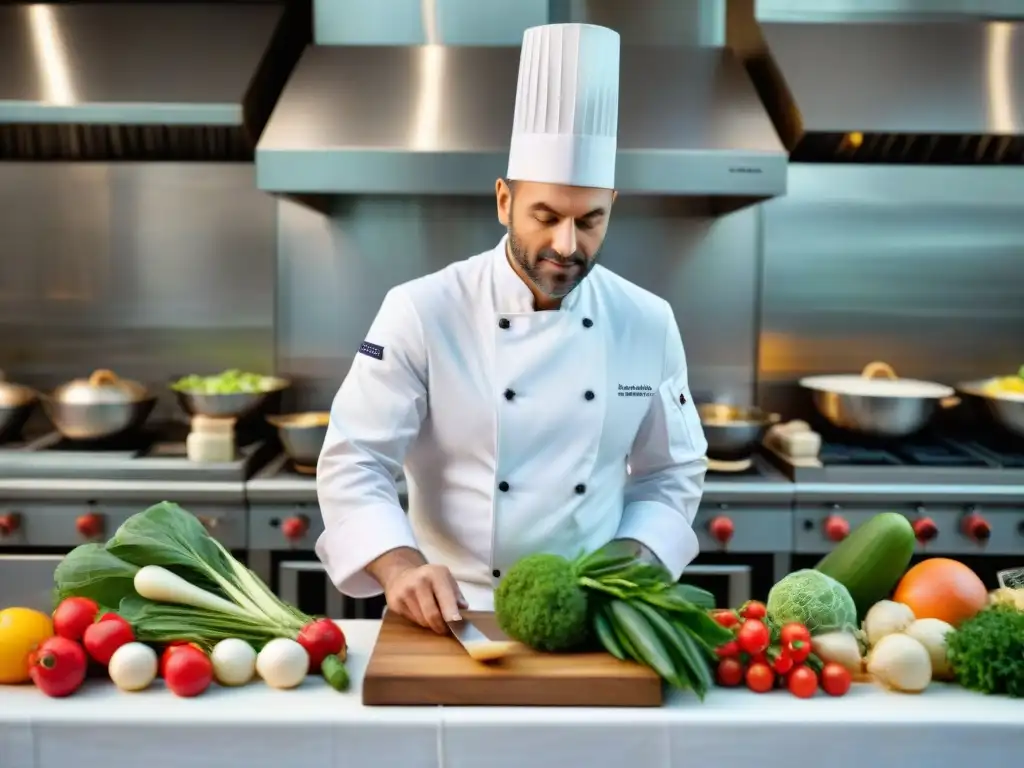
{"points": [[567, 106]]}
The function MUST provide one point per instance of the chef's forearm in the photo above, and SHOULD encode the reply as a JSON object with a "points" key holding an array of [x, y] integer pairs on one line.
{"points": [[394, 562]]}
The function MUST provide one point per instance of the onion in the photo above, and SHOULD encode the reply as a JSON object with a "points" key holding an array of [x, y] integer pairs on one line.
{"points": [[841, 648], [282, 663], [886, 618], [133, 667], [931, 633], [234, 662], [901, 663]]}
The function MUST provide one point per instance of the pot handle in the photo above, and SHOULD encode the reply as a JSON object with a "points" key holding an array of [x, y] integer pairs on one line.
{"points": [[103, 376], [877, 370], [949, 402]]}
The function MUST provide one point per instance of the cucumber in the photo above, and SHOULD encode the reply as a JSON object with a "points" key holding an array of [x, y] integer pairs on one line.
{"points": [[872, 559]]}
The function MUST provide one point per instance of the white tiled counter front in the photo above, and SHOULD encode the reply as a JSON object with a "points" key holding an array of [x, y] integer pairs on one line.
{"points": [[257, 727]]}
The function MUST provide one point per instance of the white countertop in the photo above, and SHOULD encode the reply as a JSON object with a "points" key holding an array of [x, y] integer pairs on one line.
{"points": [[314, 725]]}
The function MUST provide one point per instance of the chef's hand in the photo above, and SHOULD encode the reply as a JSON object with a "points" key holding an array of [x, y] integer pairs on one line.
{"points": [[423, 593]]}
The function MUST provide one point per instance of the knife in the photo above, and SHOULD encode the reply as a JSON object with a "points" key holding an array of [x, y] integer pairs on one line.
{"points": [[479, 635]]}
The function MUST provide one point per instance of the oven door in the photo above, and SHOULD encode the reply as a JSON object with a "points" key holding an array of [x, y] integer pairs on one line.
{"points": [[26, 581]]}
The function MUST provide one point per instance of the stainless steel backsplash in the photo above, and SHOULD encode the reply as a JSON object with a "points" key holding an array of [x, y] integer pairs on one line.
{"points": [[150, 270], [921, 267], [334, 271]]}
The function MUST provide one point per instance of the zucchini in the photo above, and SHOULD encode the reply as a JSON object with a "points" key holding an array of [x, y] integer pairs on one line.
{"points": [[872, 559]]}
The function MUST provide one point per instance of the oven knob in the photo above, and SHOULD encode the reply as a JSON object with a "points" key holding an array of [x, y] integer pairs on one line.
{"points": [[295, 527], [925, 529], [721, 529], [836, 528], [9, 523], [976, 528], [89, 526]]}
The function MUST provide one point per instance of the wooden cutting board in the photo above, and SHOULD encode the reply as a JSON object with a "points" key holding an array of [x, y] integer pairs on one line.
{"points": [[412, 666]]}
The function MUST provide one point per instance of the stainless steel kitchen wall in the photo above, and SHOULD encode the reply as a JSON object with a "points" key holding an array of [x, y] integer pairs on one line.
{"points": [[921, 267], [333, 272], [149, 270]]}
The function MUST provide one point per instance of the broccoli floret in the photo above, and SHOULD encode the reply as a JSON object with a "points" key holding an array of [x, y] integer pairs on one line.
{"points": [[540, 604]]}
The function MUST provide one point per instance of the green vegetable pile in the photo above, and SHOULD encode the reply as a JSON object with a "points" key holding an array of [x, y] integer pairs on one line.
{"points": [[813, 599], [631, 608], [232, 382], [221, 599], [986, 652]]}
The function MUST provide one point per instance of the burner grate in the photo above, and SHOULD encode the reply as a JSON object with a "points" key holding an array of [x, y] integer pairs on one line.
{"points": [[939, 453]]}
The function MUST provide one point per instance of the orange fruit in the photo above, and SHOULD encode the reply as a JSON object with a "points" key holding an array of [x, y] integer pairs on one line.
{"points": [[22, 630], [940, 588]]}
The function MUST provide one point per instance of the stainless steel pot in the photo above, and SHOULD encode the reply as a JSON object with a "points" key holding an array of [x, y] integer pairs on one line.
{"points": [[733, 433], [16, 405], [236, 405], [302, 436], [99, 407], [1006, 409], [877, 402]]}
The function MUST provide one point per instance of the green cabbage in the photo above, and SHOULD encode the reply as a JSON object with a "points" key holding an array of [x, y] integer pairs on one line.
{"points": [[813, 599]]}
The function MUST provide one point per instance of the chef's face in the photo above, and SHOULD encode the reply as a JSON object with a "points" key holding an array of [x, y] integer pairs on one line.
{"points": [[554, 232]]}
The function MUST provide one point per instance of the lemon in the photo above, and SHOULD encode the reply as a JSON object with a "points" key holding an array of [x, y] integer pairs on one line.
{"points": [[21, 632]]}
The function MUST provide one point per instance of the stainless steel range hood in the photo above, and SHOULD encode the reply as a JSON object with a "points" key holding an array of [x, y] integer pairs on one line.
{"points": [[436, 119], [141, 82], [937, 92]]}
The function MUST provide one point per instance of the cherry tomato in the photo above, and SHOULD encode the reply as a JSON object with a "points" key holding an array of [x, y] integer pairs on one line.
{"points": [[796, 640], [729, 673], [753, 636], [728, 650], [753, 609], [112, 617], [106, 636], [173, 647], [760, 677], [783, 663], [727, 619], [802, 682], [73, 616], [188, 671], [835, 679]]}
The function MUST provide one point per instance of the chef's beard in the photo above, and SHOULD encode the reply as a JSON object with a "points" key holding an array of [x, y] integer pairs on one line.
{"points": [[556, 285]]}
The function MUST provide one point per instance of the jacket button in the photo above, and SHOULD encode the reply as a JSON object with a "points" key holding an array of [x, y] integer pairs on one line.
{"points": [[509, 394], [496, 573], [581, 489], [682, 399], [587, 322], [503, 486], [588, 395], [504, 324]]}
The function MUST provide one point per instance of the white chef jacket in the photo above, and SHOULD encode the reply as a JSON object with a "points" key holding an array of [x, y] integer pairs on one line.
{"points": [[515, 428]]}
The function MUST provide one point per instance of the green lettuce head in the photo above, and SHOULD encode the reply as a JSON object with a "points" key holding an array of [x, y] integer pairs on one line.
{"points": [[815, 600]]}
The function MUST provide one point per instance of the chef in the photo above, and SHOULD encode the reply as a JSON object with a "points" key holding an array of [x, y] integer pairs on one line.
{"points": [[536, 401]]}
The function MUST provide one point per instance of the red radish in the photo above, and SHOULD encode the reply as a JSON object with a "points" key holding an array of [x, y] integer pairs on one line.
{"points": [[172, 648], [73, 616], [106, 636], [57, 666], [322, 638], [188, 671]]}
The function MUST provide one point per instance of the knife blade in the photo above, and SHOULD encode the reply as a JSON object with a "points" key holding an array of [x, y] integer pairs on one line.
{"points": [[479, 635]]}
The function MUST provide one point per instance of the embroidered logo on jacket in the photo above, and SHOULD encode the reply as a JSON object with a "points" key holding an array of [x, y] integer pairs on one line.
{"points": [[373, 350], [636, 390]]}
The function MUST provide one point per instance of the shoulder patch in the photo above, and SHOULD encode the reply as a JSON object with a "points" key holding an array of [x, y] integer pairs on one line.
{"points": [[373, 350]]}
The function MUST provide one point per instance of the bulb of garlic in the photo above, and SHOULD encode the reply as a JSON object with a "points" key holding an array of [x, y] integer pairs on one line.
{"points": [[886, 618]]}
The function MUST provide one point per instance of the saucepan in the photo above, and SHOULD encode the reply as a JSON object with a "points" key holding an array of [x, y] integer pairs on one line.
{"points": [[878, 403], [16, 405], [1003, 398], [302, 436], [99, 407], [733, 432], [232, 394]]}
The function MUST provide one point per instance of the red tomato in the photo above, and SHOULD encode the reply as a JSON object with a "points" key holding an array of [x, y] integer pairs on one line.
{"points": [[188, 671], [729, 673], [835, 679], [727, 619], [321, 638], [796, 640], [728, 650], [173, 647], [783, 663], [58, 666], [106, 636], [73, 616], [802, 682], [753, 609], [760, 677], [753, 636]]}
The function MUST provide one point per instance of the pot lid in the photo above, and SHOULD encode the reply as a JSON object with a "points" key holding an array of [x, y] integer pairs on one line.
{"points": [[14, 395], [877, 380], [102, 387]]}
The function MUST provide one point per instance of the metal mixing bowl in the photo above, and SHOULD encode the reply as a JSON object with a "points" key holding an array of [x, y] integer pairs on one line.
{"points": [[302, 436], [1007, 412], [733, 432], [236, 405], [99, 407]]}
